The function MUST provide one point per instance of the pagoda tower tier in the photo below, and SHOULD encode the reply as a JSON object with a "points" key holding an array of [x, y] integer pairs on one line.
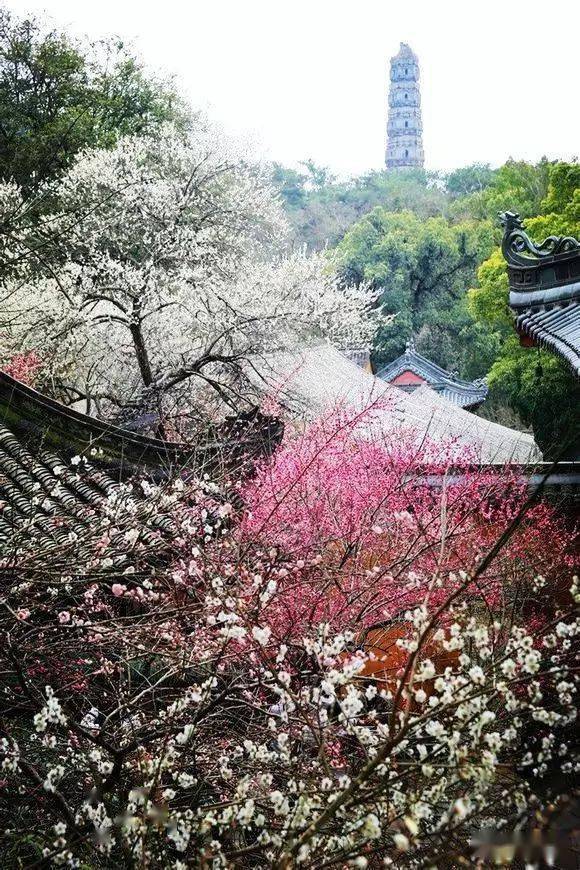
{"points": [[405, 124]]}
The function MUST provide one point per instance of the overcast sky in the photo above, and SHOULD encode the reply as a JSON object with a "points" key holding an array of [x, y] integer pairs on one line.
{"points": [[308, 78]]}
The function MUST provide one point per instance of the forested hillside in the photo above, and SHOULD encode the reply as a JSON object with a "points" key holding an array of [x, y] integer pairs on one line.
{"points": [[429, 244]]}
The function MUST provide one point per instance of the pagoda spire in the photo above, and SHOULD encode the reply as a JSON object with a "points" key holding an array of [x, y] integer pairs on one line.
{"points": [[404, 125]]}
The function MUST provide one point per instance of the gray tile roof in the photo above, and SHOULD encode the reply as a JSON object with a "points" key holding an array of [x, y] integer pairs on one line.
{"points": [[122, 452], [44, 497], [465, 394], [556, 328], [314, 379], [60, 469]]}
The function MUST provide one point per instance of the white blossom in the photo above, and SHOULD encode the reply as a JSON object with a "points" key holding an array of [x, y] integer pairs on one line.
{"points": [[261, 635]]}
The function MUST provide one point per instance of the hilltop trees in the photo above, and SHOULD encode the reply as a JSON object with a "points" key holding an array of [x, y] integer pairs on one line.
{"points": [[516, 186], [59, 95], [321, 208], [469, 179], [420, 268]]}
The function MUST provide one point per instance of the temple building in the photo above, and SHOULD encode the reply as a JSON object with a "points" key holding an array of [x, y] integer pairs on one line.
{"points": [[405, 124], [311, 381], [411, 370]]}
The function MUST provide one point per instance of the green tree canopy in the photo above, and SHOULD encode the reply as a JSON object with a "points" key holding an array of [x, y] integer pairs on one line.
{"points": [[422, 269], [290, 184], [321, 208], [469, 179], [58, 96], [515, 186]]}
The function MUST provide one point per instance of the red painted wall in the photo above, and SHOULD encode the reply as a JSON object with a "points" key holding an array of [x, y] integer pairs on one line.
{"points": [[407, 378]]}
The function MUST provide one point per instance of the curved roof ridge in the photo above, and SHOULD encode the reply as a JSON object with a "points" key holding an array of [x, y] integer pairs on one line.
{"points": [[98, 427], [412, 357], [318, 376]]}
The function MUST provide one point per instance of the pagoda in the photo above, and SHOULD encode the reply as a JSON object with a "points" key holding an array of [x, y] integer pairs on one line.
{"points": [[404, 125]]}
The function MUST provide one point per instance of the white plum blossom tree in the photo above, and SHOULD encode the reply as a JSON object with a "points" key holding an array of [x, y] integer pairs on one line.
{"points": [[163, 264]]}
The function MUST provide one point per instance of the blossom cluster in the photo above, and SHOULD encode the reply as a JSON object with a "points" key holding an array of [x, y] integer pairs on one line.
{"points": [[382, 525], [166, 702], [23, 367], [172, 267]]}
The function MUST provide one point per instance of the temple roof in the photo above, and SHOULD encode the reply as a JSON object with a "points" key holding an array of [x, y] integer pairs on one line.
{"points": [[316, 378], [60, 468], [544, 283], [35, 417], [557, 329], [464, 394], [44, 496]]}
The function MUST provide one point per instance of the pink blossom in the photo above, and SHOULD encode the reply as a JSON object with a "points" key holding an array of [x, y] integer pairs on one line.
{"points": [[118, 589], [23, 367], [352, 507]]}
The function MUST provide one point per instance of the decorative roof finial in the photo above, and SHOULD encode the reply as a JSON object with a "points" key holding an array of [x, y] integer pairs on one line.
{"points": [[519, 250], [410, 346]]}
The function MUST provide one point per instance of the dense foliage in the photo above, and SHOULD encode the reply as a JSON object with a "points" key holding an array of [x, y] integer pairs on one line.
{"points": [[423, 241], [320, 208], [420, 267]]}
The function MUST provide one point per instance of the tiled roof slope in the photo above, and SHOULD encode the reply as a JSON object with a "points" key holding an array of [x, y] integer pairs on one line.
{"points": [[37, 417], [59, 468], [318, 377], [557, 329], [465, 394], [43, 497]]}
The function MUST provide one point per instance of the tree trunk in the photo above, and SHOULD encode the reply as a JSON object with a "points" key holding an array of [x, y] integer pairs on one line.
{"points": [[142, 355]]}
